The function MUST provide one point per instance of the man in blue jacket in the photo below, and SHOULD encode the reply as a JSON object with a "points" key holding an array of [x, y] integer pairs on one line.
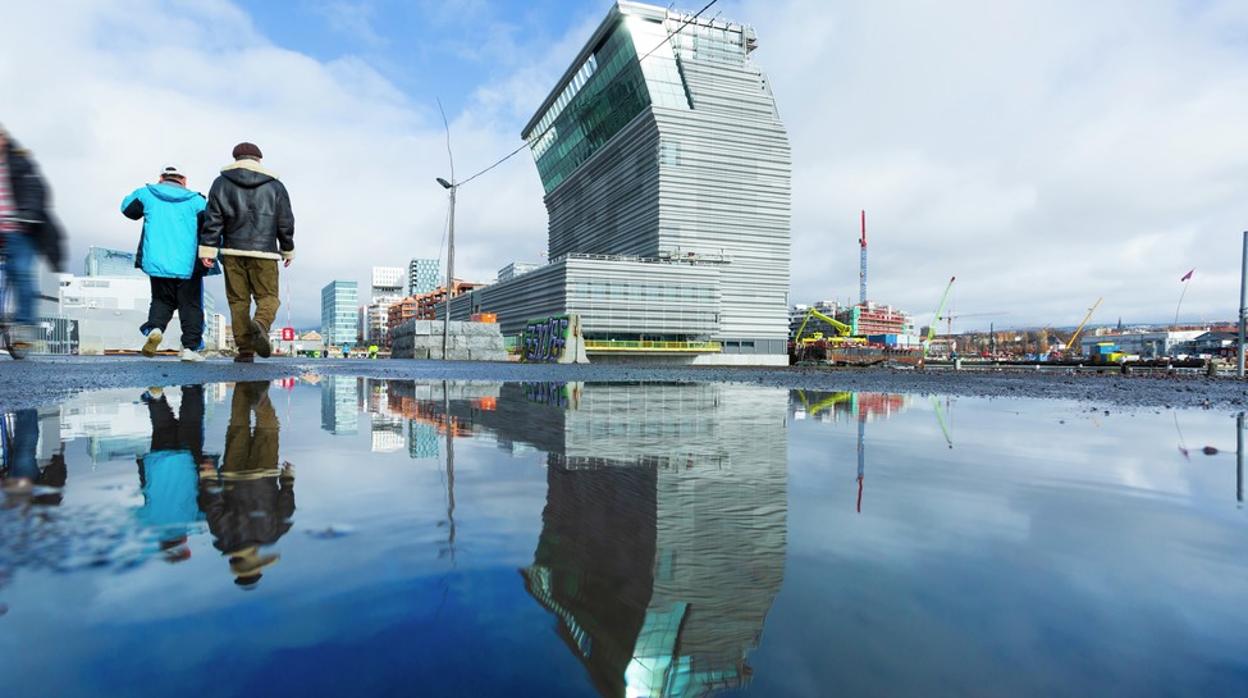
{"points": [[167, 253]]}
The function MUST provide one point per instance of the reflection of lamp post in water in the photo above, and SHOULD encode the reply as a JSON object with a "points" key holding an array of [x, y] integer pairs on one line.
{"points": [[1239, 458], [450, 469]]}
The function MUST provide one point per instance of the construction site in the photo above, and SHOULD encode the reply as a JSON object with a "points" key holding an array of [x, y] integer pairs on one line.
{"points": [[868, 333], [862, 334]]}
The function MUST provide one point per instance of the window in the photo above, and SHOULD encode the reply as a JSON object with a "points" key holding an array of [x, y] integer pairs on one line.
{"points": [[669, 152]]}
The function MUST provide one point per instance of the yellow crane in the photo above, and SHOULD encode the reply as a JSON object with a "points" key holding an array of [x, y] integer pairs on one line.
{"points": [[1074, 338], [843, 331]]}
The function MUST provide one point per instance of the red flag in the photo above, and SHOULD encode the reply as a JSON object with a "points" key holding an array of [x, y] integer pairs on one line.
{"points": [[1188, 275]]}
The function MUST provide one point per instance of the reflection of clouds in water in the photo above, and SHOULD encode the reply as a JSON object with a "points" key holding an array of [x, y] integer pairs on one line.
{"points": [[1032, 554], [1031, 549]]}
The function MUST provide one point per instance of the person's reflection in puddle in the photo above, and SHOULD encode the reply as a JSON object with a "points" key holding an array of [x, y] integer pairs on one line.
{"points": [[168, 473], [250, 500], [24, 479]]}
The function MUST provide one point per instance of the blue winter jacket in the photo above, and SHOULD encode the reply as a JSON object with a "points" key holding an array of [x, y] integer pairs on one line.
{"points": [[170, 488], [170, 213]]}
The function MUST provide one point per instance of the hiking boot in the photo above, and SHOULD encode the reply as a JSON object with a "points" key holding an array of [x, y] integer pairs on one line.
{"points": [[152, 343], [245, 359], [260, 341], [191, 356]]}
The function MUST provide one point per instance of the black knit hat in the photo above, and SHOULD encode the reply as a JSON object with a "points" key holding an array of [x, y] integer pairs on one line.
{"points": [[247, 150]]}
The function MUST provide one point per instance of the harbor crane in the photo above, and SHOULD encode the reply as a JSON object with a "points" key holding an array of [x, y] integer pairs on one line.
{"points": [[958, 316], [1074, 338], [931, 329]]}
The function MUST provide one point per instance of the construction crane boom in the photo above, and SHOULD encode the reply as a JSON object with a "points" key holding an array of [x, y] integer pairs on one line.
{"points": [[931, 329], [841, 328], [862, 263], [1079, 330]]}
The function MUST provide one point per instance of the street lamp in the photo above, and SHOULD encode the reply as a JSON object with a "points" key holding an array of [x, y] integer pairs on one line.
{"points": [[450, 266]]}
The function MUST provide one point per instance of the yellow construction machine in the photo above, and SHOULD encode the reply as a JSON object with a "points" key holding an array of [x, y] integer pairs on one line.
{"points": [[844, 333]]}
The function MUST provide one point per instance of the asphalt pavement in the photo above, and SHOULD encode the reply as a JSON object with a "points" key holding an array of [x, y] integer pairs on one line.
{"points": [[43, 380]]}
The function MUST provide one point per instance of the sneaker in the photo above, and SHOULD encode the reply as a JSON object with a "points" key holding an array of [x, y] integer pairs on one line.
{"points": [[152, 343], [192, 356], [245, 359], [260, 341]]}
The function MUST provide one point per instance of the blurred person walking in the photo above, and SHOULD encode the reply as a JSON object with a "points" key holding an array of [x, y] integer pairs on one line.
{"points": [[249, 223], [27, 228], [168, 246]]}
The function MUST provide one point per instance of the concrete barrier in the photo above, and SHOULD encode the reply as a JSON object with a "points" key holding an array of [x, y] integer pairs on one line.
{"points": [[467, 341]]}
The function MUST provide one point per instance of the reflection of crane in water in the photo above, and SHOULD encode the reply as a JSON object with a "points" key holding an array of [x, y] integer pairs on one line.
{"points": [[859, 406], [940, 419], [862, 456]]}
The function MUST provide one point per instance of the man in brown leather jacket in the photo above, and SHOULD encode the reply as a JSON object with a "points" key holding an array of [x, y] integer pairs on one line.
{"points": [[249, 223]]}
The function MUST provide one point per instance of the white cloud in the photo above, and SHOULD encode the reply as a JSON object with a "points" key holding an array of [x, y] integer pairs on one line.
{"points": [[103, 115], [1046, 153]]}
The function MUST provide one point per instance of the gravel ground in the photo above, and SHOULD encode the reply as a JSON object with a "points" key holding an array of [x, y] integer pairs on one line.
{"points": [[44, 380]]}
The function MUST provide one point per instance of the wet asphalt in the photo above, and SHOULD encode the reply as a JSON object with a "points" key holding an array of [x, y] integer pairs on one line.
{"points": [[44, 380]]}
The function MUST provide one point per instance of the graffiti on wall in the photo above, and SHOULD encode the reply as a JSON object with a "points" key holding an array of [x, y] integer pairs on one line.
{"points": [[547, 339]]}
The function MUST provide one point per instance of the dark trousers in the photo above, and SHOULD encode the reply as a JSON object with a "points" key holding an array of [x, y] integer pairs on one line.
{"points": [[186, 296], [184, 432], [22, 458]]}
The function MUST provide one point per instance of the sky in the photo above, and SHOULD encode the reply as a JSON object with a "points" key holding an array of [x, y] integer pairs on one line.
{"points": [[1047, 154]]}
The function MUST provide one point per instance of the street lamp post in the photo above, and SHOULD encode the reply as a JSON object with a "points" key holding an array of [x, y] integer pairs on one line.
{"points": [[450, 267], [1243, 301]]}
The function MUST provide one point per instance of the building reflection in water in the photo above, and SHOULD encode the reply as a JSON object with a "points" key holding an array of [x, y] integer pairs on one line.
{"points": [[340, 411], [663, 535]]}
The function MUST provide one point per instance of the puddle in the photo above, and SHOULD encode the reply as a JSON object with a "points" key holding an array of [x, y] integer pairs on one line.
{"points": [[348, 536]]}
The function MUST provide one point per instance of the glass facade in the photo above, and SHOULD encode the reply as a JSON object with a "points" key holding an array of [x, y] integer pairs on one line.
{"points": [[339, 302], [422, 276], [102, 261], [608, 92]]}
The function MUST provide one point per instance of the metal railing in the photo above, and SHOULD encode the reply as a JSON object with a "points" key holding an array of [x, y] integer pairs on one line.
{"points": [[627, 345]]}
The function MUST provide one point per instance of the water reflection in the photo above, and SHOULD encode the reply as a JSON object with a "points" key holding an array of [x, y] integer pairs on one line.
{"points": [[854, 407], [624, 539], [340, 409], [31, 468], [169, 472], [663, 535], [250, 499]]}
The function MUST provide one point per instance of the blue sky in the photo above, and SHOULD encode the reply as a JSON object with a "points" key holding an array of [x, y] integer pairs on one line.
{"points": [[427, 49]]}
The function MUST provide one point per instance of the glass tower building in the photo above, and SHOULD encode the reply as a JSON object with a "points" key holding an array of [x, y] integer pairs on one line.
{"points": [[667, 177], [339, 303], [422, 276]]}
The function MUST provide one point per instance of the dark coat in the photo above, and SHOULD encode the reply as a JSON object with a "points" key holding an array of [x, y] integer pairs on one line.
{"points": [[32, 201], [248, 214], [243, 513]]}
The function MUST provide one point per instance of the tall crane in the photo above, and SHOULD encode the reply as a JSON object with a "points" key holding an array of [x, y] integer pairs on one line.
{"points": [[931, 329], [862, 263], [950, 317], [1074, 338]]}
